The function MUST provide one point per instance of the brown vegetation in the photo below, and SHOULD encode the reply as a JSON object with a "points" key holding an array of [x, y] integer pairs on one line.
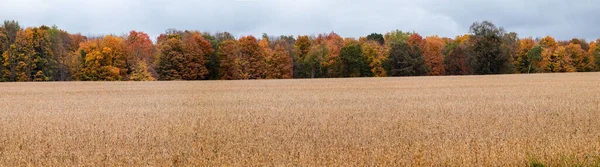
{"points": [[506, 120]]}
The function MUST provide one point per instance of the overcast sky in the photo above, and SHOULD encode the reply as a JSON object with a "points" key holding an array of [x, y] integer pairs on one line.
{"points": [[562, 19]]}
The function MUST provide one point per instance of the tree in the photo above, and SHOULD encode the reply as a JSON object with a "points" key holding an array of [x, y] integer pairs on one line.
{"points": [[279, 64], [432, 52], [396, 36], [405, 60], [312, 63], [9, 31], [252, 61], [24, 54], [534, 56], [487, 51], [353, 63], [62, 51], [416, 40], [375, 55], [376, 37], [172, 59], [581, 61], [183, 56], [266, 52], [214, 62], [2, 37], [104, 59], [456, 60], [557, 59], [75, 58], [229, 54], [35, 56], [553, 56], [510, 47], [334, 44], [301, 48], [139, 48], [141, 72], [581, 42], [196, 51], [548, 42], [594, 53], [529, 56]]}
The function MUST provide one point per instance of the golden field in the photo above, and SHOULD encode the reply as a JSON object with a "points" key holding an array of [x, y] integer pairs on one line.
{"points": [[501, 120]]}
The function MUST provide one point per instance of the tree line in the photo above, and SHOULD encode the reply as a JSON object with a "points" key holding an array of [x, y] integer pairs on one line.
{"points": [[50, 54]]}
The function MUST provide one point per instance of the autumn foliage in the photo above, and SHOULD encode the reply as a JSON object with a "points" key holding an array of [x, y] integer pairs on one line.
{"points": [[50, 54]]}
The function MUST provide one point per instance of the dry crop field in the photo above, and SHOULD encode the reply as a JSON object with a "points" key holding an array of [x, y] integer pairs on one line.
{"points": [[502, 120]]}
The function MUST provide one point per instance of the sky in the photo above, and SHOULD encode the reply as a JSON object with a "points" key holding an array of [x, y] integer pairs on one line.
{"points": [[562, 19]]}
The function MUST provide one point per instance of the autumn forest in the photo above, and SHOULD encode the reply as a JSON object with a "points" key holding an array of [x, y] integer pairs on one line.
{"points": [[50, 54]]}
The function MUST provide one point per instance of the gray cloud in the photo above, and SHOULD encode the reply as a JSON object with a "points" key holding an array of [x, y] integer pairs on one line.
{"points": [[353, 18]]}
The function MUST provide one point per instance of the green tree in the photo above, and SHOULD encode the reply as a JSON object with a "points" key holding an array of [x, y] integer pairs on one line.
{"points": [[396, 36], [312, 66], [353, 63], [534, 56], [213, 61], [405, 60], [376, 37], [61, 50], [487, 49]]}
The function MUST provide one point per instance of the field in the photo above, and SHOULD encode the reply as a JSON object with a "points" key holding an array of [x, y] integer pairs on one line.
{"points": [[502, 120]]}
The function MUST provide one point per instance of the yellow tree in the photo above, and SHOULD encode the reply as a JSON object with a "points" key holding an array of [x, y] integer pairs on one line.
{"points": [[558, 60], [104, 59], [375, 54], [24, 54], [432, 52], [141, 73], [75, 60], [551, 54], [265, 50], [529, 56], [581, 61]]}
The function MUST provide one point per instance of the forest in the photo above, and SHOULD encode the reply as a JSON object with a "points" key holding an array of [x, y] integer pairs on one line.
{"points": [[51, 54]]}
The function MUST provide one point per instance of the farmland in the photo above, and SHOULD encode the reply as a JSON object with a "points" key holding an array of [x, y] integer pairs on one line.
{"points": [[494, 120]]}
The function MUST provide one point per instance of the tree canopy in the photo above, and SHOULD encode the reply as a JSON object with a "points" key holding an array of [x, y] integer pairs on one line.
{"points": [[46, 53]]}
